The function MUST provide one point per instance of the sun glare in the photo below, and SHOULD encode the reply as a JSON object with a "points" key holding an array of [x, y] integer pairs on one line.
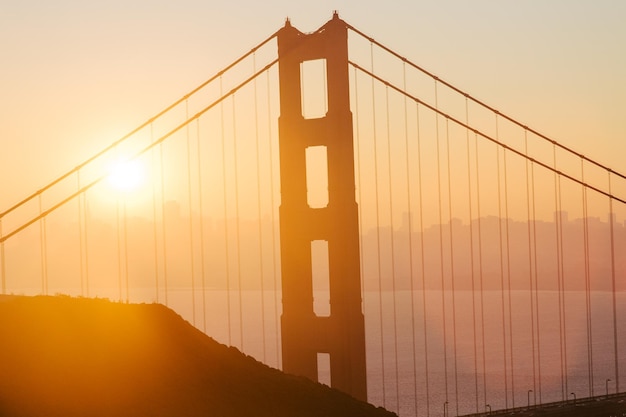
{"points": [[126, 175]]}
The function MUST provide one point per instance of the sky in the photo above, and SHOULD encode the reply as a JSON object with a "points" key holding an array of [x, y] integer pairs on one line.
{"points": [[75, 75]]}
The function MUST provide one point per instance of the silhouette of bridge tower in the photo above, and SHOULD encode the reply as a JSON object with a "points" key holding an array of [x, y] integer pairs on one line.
{"points": [[304, 334]]}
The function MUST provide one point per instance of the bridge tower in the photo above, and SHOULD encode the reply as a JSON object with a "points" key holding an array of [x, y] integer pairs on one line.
{"points": [[341, 334]]}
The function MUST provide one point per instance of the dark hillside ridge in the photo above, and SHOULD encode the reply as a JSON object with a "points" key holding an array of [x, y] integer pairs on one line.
{"points": [[62, 356]]}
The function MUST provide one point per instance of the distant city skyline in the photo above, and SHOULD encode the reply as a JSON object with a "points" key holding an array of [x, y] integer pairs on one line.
{"points": [[105, 251]]}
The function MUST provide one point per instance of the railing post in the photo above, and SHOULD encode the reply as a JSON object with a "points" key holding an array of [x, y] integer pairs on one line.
{"points": [[304, 334]]}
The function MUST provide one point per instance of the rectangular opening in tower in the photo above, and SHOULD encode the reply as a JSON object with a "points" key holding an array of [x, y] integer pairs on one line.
{"points": [[313, 88], [317, 176], [321, 278], [323, 368]]}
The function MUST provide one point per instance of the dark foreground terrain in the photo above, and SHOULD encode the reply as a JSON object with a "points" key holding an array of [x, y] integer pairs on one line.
{"points": [[62, 356]]}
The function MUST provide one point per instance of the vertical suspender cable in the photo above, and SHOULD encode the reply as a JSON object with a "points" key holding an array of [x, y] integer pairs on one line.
{"points": [[154, 218], [564, 317], [125, 223], [227, 253], [558, 220], [258, 184], [422, 257], [471, 233], [587, 281], [86, 240], [80, 236], [43, 250], [452, 275], [3, 278], [124, 245], [508, 273], [201, 218], [480, 270], [410, 233], [530, 265], [273, 217], [189, 202], [443, 286], [380, 290], [163, 225], [532, 182], [357, 152], [613, 286], [504, 351], [119, 249], [393, 267], [237, 221]]}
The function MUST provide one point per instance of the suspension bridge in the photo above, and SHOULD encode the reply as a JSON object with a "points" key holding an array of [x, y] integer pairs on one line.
{"points": [[337, 211]]}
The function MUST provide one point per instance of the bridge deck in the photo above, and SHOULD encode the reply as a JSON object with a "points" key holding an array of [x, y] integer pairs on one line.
{"points": [[599, 406]]}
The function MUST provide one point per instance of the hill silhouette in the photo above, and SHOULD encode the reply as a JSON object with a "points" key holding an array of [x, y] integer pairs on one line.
{"points": [[62, 356]]}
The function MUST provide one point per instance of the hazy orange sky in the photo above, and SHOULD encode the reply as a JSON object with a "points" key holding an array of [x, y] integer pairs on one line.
{"points": [[77, 75]]}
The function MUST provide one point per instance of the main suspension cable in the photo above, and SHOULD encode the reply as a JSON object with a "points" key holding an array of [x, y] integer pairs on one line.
{"points": [[99, 179], [140, 127], [489, 138], [480, 103]]}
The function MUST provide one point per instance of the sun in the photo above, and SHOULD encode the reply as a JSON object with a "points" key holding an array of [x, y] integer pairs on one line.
{"points": [[126, 175]]}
